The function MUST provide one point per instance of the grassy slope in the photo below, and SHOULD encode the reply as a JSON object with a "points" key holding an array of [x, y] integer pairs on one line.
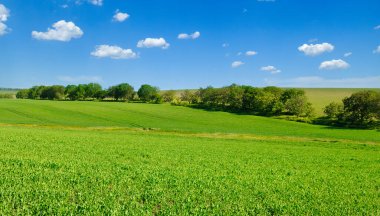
{"points": [[162, 117], [74, 159]]}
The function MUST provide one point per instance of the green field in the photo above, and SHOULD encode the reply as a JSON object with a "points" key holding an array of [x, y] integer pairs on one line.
{"points": [[63, 157]]}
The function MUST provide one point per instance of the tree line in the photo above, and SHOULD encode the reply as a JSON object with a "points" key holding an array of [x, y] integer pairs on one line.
{"points": [[268, 101], [361, 109], [92, 91]]}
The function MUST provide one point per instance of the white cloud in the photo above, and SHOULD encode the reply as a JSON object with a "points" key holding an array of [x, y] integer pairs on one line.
{"points": [[377, 27], [193, 36], [347, 54], [334, 65], [80, 79], [377, 50], [4, 13], [65, 6], [320, 82], [270, 69], [236, 64], [120, 16], [315, 49], [153, 42], [61, 31], [114, 52], [96, 2], [250, 53], [3, 29]]}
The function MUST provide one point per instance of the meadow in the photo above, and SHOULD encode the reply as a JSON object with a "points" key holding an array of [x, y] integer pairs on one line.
{"points": [[72, 157]]}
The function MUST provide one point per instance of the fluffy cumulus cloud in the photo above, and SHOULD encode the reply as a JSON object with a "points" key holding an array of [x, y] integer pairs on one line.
{"points": [[153, 42], [193, 36], [237, 64], [334, 65], [270, 69], [377, 50], [250, 53], [114, 52], [316, 49], [4, 14], [120, 16], [61, 31]]}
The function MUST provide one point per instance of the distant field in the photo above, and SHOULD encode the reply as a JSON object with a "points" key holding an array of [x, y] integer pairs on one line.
{"points": [[8, 93], [60, 157], [320, 97]]}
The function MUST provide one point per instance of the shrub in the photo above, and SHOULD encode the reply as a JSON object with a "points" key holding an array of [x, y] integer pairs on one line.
{"points": [[22, 94], [299, 106], [168, 96], [362, 108], [333, 110]]}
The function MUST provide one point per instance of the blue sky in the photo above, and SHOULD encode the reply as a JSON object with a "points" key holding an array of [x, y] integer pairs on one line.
{"points": [[314, 43]]}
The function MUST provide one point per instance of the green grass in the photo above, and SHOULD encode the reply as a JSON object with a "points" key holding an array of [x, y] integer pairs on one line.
{"points": [[94, 158]]}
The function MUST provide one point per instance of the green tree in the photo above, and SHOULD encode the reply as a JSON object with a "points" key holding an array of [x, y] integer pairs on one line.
{"points": [[168, 96], [291, 93], [22, 94], [92, 89], [35, 92], [333, 110], [299, 106], [101, 95], [235, 95], [148, 93], [362, 107], [123, 91], [55, 92], [69, 91]]}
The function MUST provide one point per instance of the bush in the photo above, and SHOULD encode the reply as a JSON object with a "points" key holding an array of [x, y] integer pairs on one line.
{"points": [[168, 96], [22, 94], [333, 110], [362, 108], [298, 105]]}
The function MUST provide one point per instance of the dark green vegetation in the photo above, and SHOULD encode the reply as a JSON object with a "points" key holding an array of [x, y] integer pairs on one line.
{"points": [[73, 157], [91, 91], [361, 109]]}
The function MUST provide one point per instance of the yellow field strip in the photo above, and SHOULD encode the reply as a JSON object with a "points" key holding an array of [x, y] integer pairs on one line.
{"points": [[230, 136]]}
